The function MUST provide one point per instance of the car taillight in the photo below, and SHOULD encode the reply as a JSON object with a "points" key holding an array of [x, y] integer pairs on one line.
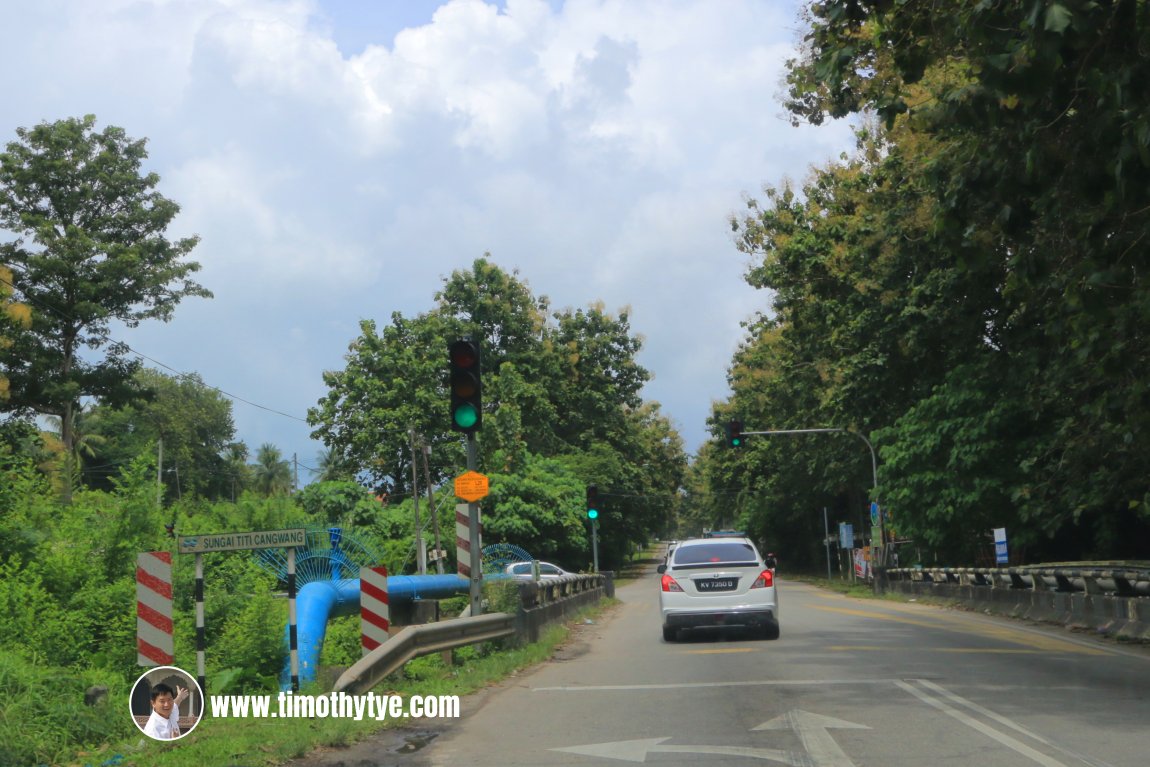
{"points": [[766, 578], [669, 584]]}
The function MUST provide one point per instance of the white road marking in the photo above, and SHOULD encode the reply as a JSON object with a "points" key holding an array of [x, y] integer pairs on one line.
{"points": [[820, 748], [697, 685], [637, 750], [1009, 723], [812, 731], [1011, 743]]}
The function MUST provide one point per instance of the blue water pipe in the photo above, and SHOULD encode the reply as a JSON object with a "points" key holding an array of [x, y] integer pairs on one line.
{"points": [[320, 601]]}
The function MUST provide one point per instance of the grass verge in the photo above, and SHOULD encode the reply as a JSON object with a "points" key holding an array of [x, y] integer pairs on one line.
{"points": [[265, 742]]}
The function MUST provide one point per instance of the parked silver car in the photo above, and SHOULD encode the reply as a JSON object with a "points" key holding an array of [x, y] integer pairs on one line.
{"points": [[524, 570]]}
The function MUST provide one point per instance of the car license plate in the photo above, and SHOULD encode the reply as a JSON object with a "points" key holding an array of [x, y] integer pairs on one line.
{"points": [[717, 584]]}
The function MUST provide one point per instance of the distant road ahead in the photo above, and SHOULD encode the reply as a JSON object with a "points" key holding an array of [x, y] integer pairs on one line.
{"points": [[850, 683]]}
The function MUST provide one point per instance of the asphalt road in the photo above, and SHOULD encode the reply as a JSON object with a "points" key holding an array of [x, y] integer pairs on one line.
{"points": [[850, 682]]}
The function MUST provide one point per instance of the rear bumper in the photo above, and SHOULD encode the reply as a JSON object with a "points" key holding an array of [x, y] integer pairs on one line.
{"points": [[698, 619]]}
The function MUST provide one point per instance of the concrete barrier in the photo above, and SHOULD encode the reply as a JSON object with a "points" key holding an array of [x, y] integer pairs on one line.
{"points": [[1125, 617], [551, 600]]}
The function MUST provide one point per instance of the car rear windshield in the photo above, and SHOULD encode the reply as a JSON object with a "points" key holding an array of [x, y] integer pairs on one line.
{"points": [[719, 552]]}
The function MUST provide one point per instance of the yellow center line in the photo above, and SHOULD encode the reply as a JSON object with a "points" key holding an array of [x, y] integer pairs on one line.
{"points": [[1033, 641], [877, 648]]}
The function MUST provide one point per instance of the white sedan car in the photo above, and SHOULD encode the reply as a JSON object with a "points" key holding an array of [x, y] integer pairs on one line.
{"points": [[716, 582]]}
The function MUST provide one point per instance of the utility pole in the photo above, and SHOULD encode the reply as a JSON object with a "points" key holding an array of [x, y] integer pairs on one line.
{"points": [[160, 472], [432, 511], [827, 541], [420, 561]]}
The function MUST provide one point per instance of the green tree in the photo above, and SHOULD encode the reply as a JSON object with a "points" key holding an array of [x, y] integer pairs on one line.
{"points": [[969, 289], [13, 316], [1045, 176], [193, 420], [330, 467], [86, 442], [90, 249], [392, 383], [558, 391], [271, 473], [237, 473]]}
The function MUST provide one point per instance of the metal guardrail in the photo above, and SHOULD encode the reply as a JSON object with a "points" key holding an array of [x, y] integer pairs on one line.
{"points": [[414, 641], [1121, 582], [536, 599]]}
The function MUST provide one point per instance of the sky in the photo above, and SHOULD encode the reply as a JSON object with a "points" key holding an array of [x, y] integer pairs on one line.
{"points": [[340, 158]]}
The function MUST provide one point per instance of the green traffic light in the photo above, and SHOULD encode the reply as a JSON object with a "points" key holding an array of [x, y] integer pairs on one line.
{"points": [[465, 416], [736, 442], [592, 513]]}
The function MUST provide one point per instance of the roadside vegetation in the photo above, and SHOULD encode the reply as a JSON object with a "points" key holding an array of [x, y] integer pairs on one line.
{"points": [[248, 742]]}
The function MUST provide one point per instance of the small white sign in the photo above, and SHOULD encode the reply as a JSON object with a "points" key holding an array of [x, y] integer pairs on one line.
{"points": [[262, 539], [1001, 555]]}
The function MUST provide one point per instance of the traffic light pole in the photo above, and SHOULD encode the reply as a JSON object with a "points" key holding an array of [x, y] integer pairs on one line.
{"points": [[595, 544], [473, 535]]}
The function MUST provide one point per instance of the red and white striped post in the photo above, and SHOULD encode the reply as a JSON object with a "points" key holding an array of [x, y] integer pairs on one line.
{"points": [[154, 645], [374, 611], [462, 540]]}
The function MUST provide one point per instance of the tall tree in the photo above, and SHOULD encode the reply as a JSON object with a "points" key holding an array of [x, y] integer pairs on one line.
{"points": [[558, 391], [13, 316], [86, 441], [975, 295], [271, 472], [90, 249], [392, 383], [194, 422]]}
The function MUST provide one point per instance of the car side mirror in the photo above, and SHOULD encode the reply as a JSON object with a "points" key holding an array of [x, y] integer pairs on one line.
{"points": [[661, 569]]}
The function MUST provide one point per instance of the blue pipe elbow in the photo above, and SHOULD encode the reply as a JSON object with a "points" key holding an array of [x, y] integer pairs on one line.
{"points": [[320, 601]]}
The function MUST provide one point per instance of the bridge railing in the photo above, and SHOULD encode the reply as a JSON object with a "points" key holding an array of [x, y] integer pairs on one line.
{"points": [[1108, 600]]}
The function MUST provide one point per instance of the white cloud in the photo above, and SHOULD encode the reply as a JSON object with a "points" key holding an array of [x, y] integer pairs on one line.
{"points": [[597, 145]]}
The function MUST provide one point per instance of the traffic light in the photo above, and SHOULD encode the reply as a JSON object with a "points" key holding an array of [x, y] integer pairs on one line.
{"points": [[466, 405], [734, 433], [592, 502]]}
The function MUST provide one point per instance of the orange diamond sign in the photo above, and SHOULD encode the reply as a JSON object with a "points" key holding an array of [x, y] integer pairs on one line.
{"points": [[471, 486]]}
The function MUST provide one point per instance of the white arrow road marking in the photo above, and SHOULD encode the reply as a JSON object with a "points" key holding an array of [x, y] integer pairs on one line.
{"points": [[812, 731], [637, 750]]}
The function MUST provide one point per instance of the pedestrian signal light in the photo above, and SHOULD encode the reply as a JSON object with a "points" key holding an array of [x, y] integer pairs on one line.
{"points": [[592, 502], [735, 433], [465, 385]]}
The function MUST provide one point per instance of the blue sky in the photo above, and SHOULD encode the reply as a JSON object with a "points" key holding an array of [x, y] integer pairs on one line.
{"points": [[340, 158]]}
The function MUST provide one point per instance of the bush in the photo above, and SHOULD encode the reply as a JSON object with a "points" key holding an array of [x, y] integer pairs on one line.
{"points": [[43, 719]]}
